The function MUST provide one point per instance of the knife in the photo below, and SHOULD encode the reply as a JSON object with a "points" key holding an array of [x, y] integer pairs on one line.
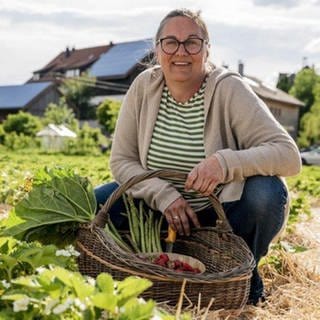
{"points": [[171, 238]]}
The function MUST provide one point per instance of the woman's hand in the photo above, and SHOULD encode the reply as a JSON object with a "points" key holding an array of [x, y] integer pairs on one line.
{"points": [[205, 176], [178, 215]]}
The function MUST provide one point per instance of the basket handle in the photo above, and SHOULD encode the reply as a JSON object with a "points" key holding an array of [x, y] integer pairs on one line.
{"points": [[102, 216]]}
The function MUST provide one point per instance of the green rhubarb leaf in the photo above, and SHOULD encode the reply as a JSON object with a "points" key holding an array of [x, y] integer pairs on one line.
{"points": [[56, 199]]}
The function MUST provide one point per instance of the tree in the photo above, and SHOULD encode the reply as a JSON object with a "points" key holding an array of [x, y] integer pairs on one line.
{"points": [[285, 82], [22, 123], [60, 114], [303, 86], [310, 122], [107, 114], [77, 92]]}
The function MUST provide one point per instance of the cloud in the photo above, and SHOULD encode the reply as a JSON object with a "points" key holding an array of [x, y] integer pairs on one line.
{"points": [[313, 46], [279, 3], [68, 17]]}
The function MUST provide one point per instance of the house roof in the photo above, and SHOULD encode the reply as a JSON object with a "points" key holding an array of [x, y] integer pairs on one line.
{"points": [[74, 59], [53, 130], [121, 58], [271, 93], [18, 96]]}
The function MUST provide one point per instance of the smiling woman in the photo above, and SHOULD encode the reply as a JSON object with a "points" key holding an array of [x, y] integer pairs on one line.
{"points": [[187, 114]]}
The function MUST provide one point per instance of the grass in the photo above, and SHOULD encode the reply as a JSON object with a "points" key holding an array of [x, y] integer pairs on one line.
{"points": [[15, 167]]}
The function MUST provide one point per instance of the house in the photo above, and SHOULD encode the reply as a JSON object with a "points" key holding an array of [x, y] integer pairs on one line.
{"points": [[29, 97], [54, 137], [114, 66], [69, 63], [284, 107], [117, 68]]}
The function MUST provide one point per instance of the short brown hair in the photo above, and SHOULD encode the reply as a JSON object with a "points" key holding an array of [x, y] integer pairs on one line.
{"points": [[195, 16]]}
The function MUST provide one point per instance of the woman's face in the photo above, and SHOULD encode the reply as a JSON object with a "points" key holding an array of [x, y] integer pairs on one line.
{"points": [[182, 66]]}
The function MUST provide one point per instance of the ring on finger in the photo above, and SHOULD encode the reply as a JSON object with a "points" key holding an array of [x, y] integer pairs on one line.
{"points": [[175, 218]]}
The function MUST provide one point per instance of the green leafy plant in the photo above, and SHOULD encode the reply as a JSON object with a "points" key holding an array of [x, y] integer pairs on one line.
{"points": [[57, 293], [58, 197], [22, 123], [107, 114], [60, 113], [18, 258]]}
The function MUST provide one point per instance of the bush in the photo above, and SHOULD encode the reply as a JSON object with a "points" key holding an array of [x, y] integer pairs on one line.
{"points": [[2, 134], [14, 141], [88, 141], [60, 114], [22, 123], [107, 114]]}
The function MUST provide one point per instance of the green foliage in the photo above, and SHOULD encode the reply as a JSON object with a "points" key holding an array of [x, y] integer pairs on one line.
{"points": [[60, 114], [20, 258], [18, 167], [2, 134], [309, 133], [77, 92], [56, 293], [88, 141], [306, 88], [284, 83], [14, 141], [299, 206], [307, 182], [22, 123], [57, 197], [303, 86], [107, 114], [304, 188]]}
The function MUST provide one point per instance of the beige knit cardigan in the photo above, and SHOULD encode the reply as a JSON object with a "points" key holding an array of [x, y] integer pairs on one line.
{"points": [[239, 129]]}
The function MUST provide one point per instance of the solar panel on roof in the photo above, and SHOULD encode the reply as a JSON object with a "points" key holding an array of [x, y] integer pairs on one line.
{"points": [[17, 96], [121, 58]]}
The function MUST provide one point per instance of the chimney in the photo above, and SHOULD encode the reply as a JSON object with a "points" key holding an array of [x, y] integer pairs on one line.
{"points": [[67, 53], [240, 67]]}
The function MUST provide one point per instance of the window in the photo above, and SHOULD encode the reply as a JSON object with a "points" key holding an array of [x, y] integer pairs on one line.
{"points": [[36, 76], [72, 73]]}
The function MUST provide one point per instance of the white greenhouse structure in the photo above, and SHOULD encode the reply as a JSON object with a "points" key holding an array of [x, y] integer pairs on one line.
{"points": [[54, 137]]}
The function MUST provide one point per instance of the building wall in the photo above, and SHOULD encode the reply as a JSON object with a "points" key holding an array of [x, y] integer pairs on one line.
{"points": [[4, 113], [287, 115], [38, 105]]}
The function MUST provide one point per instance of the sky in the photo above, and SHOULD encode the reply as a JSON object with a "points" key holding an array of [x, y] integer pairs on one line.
{"points": [[268, 36]]}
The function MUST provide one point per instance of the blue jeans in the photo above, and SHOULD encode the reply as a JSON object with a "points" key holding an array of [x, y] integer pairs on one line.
{"points": [[256, 217]]}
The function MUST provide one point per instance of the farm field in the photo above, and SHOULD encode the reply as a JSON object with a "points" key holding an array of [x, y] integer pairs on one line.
{"points": [[16, 166], [292, 289]]}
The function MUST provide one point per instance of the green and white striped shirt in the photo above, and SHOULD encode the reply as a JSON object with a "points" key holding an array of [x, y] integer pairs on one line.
{"points": [[177, 142]]}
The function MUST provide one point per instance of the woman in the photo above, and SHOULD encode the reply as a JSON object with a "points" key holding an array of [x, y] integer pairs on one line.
{"points": [[185, 114]]}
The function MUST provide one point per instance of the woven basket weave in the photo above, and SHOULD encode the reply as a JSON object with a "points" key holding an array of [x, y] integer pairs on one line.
{"points": [[227, 258]]}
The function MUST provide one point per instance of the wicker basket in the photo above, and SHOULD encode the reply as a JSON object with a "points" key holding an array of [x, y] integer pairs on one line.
{"points": [[227, 259]]}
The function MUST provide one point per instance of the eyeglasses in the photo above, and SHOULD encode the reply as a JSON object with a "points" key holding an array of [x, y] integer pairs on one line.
{"points": [[170, 45]]}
